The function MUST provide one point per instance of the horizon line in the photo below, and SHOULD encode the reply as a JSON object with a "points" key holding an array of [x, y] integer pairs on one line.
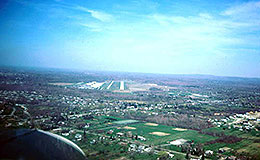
{"points": [[91, 70]]}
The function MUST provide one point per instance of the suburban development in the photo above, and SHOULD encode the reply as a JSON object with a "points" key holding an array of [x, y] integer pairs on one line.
{"points": [[137, 116]]}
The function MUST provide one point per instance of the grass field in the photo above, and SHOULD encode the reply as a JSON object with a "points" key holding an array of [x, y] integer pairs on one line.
{"points": [[145, 130], [246, 146]]}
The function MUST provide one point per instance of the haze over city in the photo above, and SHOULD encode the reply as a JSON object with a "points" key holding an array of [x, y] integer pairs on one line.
{"points": [[176, 37]]}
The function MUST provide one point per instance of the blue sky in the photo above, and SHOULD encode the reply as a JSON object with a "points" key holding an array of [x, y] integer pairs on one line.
{"points": [[219, 37]]}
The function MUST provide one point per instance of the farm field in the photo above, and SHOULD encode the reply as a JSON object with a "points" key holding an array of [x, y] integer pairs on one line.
{"points": [[170, 134], [161, 135], [248, 145]]}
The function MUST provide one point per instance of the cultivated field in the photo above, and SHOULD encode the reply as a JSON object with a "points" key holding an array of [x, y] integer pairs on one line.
{"points": [[179, 129], [170, 137], [151, 124], [127, 127], [160, 133]]}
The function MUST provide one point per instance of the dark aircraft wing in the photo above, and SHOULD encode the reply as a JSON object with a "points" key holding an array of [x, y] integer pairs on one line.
{"points": [[27, 144]]}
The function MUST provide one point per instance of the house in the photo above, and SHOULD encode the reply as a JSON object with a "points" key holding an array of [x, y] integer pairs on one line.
{"points": [[120, 134], [122, 143], [110, 132], [141, 149], [65, 134], [129, 134], [149, 149], [208, 153], [78, 137], [232, 158], [170, 155], [224, 149], [178, 142], [132, 147], [93, 141], [141, 138]]}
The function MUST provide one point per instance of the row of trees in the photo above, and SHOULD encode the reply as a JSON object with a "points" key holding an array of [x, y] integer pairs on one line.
{"points": [[182, 121]]}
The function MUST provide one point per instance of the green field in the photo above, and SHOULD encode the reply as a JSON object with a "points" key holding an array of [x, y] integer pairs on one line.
{"points": [[248, 145], [145, 130]]}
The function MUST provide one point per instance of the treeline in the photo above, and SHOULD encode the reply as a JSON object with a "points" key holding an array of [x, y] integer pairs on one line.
{"points": [[222, 138], [181, 121], [178, 120], [213, 134], [225, 139]]}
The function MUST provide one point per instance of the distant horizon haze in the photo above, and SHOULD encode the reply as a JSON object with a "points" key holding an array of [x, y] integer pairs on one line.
{"points": [[115, 71]]}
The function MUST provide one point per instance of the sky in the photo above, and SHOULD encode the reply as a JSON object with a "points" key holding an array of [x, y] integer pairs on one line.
{"points": [[220, 37]]}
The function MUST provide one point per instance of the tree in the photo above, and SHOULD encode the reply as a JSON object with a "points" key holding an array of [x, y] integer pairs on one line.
{"points": [[187, 155], [163, 155]]}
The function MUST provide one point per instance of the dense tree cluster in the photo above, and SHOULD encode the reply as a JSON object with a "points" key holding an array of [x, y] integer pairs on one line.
{"points": [[182, 121], [225, 139]]}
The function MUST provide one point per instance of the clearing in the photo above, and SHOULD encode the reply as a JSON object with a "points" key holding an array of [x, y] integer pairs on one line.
{"points": [[151, 124], [160, 133], [127, 127], [179, 129]]}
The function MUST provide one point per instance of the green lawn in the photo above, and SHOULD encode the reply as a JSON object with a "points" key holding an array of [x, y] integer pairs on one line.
{"points": [[144, 130], [248, 145]]}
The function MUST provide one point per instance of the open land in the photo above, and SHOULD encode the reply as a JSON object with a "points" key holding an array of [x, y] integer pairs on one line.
{"points": [[127, 127], [179, 129], [151, 124], [160, 133]]}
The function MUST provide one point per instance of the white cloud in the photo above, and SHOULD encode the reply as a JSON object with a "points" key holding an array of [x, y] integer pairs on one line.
{"points": [[243, 9], [247, 13], [104, 17]]}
